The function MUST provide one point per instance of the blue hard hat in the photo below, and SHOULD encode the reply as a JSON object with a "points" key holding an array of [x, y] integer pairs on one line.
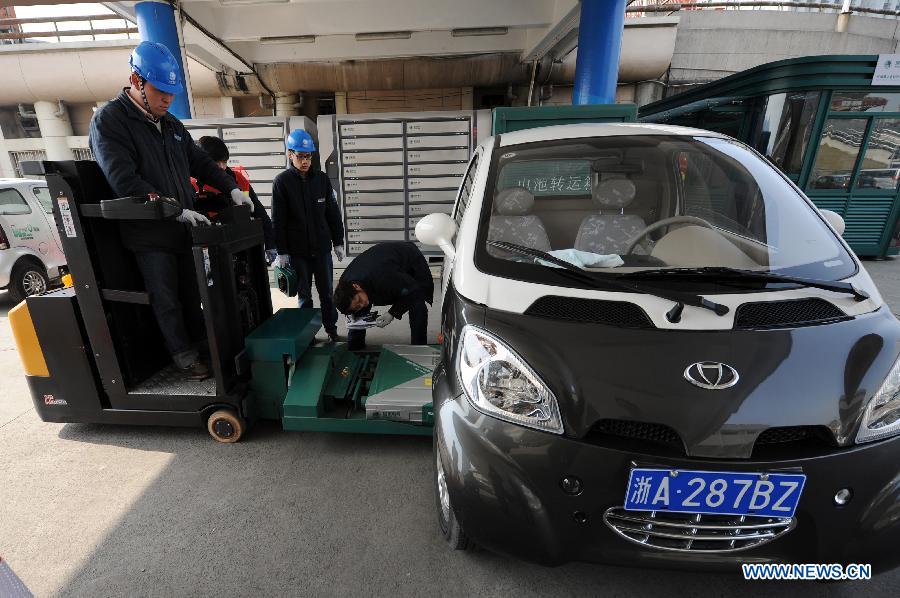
{"points": [[155, 63], [300, 141]]}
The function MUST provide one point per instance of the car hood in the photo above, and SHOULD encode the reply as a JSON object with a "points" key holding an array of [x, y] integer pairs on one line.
{"points": [[819, 375]]}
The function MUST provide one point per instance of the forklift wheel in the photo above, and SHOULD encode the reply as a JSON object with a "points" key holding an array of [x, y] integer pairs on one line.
{"points": [[226, 426], [450, 528]]}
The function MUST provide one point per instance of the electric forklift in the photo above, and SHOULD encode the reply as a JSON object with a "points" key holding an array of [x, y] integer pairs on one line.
{"points": [[92, 351]]}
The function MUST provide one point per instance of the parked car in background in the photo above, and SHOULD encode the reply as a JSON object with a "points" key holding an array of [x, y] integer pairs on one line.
{"points": [[882, 178], [31, 255]]}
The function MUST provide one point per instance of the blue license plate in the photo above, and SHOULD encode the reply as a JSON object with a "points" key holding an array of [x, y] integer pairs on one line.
{"points": [[722, 492]]}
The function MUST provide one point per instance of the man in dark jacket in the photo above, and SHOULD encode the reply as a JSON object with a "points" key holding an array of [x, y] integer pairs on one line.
{"points": [[393, 273], [210, 198], [308, 225], [144, 150]]}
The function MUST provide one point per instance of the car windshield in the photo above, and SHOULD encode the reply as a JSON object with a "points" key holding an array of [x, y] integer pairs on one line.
{"points": [[627, 204]]}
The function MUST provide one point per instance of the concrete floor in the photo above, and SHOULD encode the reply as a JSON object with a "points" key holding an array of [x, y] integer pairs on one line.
{"points": [[89, 510]]}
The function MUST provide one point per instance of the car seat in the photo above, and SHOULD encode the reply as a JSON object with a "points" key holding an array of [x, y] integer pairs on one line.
{"points": [[513, 221], [609, 230]]}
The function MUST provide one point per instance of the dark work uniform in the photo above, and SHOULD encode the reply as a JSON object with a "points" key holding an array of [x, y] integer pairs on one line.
{"points": [[396, 274], [308, 224], [138, 158]]}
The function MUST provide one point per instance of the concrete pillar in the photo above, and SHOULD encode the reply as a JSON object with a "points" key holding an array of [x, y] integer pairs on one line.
{"points": [[466, 100], [227, 107], [6, 166], [340, 102], [286, 104], [599, 46], [648, 92], [156, 23], [56, 128]]}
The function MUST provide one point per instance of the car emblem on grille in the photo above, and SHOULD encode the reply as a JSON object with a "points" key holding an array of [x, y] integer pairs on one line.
{"points": [[711, 375]]}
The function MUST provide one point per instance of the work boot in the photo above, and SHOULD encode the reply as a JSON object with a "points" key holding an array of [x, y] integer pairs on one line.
{"points": [[334, 337], [196, 371]]}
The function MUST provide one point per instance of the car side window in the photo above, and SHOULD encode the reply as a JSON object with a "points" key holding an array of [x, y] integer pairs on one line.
{"points": [[43, 195], [465, 191], [12, 203]]}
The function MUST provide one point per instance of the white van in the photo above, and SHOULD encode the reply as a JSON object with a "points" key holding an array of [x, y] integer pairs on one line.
{"points": [[31, 256]]}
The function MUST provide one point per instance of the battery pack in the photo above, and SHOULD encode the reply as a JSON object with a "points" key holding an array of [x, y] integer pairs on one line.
{"points": [[401, 386]]}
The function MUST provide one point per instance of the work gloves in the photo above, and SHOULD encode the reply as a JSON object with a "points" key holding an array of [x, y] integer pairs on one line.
{"points": [[382, 321], [282, 260], [271, 255], [339, 252], [193, 218], [239, 199]]}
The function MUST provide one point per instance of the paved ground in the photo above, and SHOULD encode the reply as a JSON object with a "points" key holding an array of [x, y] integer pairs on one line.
{"points": [[90, 510]]}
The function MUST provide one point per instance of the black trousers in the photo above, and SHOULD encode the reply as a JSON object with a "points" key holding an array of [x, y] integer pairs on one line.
{"points": [[322, 268], [418, 327], [171, 282]]}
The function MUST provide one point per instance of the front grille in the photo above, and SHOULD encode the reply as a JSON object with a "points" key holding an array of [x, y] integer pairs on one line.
{"points": [[594, 311], [688, 532], [655, 434], [787, 434], [793, 438], [786, 314]]}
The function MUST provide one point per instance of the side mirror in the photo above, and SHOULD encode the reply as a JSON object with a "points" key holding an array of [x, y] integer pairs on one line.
{"points": [[437, 229], [835, 220]]}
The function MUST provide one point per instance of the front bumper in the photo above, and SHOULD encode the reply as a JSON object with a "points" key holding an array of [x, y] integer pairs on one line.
{"points": [[504, 485]]}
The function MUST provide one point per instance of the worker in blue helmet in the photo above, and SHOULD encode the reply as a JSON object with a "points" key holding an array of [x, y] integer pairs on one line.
{"points": [[308, 226], [143, 150]]}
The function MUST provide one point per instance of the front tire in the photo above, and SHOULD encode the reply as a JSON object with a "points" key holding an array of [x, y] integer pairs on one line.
{"points": [[27, 279], [453, 532]]}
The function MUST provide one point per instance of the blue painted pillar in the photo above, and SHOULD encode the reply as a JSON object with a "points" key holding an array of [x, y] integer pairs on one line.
{"points": [[156, 23], [599, 47]]}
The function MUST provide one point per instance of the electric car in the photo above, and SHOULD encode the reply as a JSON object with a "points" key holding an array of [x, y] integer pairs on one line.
{"points": [[658, 352]]}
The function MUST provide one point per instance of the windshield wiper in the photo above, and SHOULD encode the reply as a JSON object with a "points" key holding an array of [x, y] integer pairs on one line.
{"points": [[740, 274], [574, 272]]}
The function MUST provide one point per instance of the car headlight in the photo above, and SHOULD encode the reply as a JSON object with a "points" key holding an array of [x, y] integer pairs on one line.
{"points": [[882, 416], [498, 382]]}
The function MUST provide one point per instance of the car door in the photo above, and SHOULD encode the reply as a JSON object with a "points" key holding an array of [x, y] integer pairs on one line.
{"points": [[459, 209], [18, 218], [50, 246]]}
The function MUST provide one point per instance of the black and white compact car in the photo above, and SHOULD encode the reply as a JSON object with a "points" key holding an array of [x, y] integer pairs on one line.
{"points": [[658, 352]]}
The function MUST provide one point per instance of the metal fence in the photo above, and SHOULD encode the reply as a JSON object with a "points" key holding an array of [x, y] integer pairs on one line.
{"points": [[875, 8], [21, 30]]}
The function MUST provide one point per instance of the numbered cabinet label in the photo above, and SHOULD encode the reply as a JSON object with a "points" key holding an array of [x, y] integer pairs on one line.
{"points": [[371, 143], [353, 158], [369, 198], [373, 171], [373, 184], [438, 126], [438, 141], [376, 128]]}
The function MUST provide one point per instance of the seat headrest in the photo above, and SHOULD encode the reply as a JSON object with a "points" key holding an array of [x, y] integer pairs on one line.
{"points": [[614, 193], [514, 201]]}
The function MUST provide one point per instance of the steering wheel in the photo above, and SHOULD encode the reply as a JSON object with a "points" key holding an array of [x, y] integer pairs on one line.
{"points": [[665, 222]]}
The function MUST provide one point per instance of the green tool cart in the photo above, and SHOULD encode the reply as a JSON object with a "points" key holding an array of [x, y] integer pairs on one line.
{"points": [[821, 121]]}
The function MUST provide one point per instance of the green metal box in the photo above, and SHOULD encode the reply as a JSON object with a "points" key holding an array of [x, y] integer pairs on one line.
{"points": [[507, 120]]}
